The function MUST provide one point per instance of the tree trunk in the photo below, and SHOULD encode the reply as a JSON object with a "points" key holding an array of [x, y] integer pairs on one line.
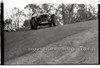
{"points": [[71, 13], [63, 14]]}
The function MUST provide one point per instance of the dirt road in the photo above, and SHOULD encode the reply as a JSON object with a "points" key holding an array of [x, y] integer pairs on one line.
{"points": [[17, 44]]}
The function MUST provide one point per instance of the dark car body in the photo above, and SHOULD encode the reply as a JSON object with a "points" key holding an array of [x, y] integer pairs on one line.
{"points": [[43, 19]]}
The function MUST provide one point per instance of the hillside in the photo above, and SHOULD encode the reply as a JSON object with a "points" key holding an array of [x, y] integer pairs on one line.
{"points": [[83, 34]]}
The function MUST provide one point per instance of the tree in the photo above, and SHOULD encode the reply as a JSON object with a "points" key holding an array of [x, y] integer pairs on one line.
{"points": [[45, 7], [67, 12], [82, 12], [86, 12], [8, 21], [71, 12], [16, 16], [92, 11], [26, 23], [63, 12], [48, 7], [7, 24], [34, 7]]}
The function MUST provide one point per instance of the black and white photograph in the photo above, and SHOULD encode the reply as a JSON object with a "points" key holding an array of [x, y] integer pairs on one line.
{"points": [[39, 33]]}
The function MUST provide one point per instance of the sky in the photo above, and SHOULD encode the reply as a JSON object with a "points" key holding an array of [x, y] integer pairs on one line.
{"points": [[0, 1], [9, 4]]}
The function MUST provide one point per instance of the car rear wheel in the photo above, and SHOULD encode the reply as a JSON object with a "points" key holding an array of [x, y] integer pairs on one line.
{"points": [[33, 25]]}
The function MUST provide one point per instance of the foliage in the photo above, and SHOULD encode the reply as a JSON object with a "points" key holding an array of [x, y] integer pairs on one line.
{"points": [[8, 21], [64, 13]]}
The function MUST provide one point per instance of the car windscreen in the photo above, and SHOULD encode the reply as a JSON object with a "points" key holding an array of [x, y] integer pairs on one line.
{"points": [[44, 17]]}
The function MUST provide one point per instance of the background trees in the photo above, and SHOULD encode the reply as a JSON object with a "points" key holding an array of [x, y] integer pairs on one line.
{"points": [[65, 13], [32, 7]]}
